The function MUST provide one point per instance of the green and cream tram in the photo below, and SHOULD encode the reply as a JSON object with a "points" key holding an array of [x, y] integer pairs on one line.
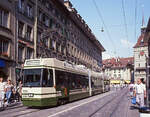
{"points": [[49, 82]]}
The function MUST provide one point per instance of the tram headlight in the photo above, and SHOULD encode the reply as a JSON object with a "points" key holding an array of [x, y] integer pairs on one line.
{"points": [[31, 95]]}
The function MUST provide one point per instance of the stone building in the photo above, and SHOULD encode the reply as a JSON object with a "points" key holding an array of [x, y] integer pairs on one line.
{"points": [[119, 70], [45, 28], [7, 39], [140, 55]]}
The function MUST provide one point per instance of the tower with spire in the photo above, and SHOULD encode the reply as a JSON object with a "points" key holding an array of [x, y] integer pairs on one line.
{"points": [[140, 54]]}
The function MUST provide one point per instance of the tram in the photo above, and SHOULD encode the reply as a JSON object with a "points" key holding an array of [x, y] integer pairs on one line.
{"points": [[50, 82]]}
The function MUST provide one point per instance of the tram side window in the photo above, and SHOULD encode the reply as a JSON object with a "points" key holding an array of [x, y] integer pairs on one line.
{"points": [[47, 80], [77, 81], [96, 82], [61, 79]]}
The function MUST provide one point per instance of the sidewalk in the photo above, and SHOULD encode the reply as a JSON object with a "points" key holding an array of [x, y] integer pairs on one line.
{"points": [[133, 110], [12, 105]]}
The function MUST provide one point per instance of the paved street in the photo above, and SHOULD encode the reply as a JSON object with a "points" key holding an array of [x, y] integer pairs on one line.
{"points": [[110, 104]]}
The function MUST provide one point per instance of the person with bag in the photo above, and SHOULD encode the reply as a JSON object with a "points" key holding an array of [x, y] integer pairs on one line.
{"points": [[140, 92], [131, 89]]}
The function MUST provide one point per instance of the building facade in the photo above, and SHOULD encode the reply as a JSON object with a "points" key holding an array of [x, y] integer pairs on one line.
{"points": [[119, 70], [45, 28], [140, 55], [7, 39], [147, 40]]}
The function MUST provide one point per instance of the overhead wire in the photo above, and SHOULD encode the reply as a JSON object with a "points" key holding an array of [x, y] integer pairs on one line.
{"points": [[107, 31], [135, 20], [125, 25]]}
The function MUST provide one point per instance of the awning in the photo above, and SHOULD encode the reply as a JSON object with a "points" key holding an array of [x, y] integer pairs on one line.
{"points": [[2, 63], [115, 81], [127, 81]]}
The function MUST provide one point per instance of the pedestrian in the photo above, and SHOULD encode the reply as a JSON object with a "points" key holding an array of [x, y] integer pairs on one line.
{"points": [[131, 89], [9, 91], [140, 93], [2, 92], [20, 90], [143, 81]]}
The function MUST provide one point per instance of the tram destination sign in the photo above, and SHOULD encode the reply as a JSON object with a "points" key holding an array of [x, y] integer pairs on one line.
{"points": [[32, 62]]}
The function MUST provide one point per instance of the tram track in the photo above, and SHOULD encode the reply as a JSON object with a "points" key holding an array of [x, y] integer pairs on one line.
{"points": [[114, 101], [109, 102], [26, 113], [117, 105]]}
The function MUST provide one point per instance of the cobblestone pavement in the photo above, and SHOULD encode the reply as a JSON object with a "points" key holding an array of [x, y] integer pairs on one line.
{"points": [[110, 104]]}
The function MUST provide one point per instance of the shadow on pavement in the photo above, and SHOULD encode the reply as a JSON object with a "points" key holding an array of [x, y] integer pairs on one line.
{"points": [[134, 108]]}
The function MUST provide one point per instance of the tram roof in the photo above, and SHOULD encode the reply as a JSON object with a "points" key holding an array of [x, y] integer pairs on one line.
{"points": [[54, 63], [63, 65]]}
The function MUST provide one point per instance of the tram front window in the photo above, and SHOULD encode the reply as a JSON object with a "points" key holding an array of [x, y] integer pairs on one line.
{"points": [[32, 77]]}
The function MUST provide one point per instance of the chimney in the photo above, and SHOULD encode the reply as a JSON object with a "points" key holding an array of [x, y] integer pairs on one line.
{"points": [[143, 29], [68, 4]]}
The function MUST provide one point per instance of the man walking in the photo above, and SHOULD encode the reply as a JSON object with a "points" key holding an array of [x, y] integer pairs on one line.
{"points": [[140, 92]]}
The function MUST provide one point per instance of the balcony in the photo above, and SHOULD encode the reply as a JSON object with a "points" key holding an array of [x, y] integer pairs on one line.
{"points": [[5, 54]]}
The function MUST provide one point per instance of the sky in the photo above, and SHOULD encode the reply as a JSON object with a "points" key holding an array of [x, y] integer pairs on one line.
{"points": [[119, 42]]}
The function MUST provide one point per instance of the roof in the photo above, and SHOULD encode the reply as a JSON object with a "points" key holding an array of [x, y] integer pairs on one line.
{"points": [[141, 42], [147, 33], [118, 62], [77, 19]]}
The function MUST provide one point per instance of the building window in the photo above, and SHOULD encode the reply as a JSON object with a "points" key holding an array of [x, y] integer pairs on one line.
{"points": [[28, 33], [21, 6], [58, 48], [47, 21], [29, 11], [45, 42], [51, 23], [62, 49], [20, 29], [4, 18], [29, 53], [40, 16], [39, 37], [4, 47], [20, 53], [53, 44]]}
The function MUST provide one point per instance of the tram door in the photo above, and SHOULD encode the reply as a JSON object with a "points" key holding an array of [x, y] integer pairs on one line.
{"points": [[62, 82]]}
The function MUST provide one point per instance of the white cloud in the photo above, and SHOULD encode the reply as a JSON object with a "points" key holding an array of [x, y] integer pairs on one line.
{"points": [[106, 55], [127, 43]]}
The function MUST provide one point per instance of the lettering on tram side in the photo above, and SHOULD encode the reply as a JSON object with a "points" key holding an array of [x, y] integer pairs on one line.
{"points": [[25, 91]]}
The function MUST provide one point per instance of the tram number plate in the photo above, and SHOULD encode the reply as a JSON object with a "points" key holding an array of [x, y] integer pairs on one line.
{"points": [[31, 94]]}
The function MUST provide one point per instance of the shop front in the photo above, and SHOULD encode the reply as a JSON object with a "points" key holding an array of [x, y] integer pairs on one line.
{"points": [[3, 72]]}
